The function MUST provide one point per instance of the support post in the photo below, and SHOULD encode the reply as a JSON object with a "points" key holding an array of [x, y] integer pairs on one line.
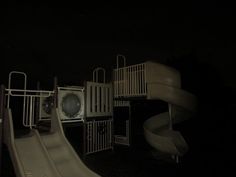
{"points": [[37, 106], [2, 106]]}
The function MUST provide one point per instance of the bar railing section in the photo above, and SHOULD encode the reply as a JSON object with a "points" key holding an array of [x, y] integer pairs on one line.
{"points": [[130, 81], [98, 136]]}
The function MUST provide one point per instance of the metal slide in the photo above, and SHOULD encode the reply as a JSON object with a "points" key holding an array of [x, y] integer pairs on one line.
{"points": [[166, 86], [49, 155]]}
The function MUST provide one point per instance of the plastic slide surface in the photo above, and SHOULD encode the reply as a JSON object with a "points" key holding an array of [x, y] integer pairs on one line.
{"points": [[61, 152], [48, 155], [166, 85]]}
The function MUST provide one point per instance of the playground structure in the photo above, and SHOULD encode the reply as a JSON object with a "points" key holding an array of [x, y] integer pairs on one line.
{"points": [[154, 81], [53, 152], [92, 106]]}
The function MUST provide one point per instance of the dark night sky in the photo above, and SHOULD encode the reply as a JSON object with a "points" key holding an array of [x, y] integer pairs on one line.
{"points": [[69, 40]]}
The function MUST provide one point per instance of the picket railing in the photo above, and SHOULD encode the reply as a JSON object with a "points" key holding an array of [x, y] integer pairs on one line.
{"points": [[130, 81]]}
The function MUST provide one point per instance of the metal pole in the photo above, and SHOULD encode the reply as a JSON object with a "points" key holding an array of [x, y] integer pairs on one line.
{"points": [[55, 84], [2, 104], [37, 105]]}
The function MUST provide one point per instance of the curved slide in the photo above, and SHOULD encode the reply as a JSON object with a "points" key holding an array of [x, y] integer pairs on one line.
{"points": [[165, 84], [48, 155]]}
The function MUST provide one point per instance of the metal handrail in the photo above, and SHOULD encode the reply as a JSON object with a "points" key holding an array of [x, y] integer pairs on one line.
{"points": [[29, 99], [9, 84], [95, 74], [117, 60], [130, 80], [9, 92]]}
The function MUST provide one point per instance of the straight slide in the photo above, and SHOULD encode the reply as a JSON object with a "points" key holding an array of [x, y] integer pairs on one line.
{"points": [[47, 155]]}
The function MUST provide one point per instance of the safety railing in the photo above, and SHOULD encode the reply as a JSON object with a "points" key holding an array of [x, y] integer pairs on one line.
{"points": [[99, 95], [130, 81], [30, 99], [99, 136], [99, 99]]}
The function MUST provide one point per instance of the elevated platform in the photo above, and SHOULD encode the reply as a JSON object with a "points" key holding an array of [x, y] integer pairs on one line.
{"points": [[157, 81]]}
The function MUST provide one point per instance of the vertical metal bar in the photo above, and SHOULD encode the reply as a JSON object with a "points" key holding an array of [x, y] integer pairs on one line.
{"points": [[121, 82], [107, 97], [33, 112], [128, 85], [2, 108], [94, 134], [107, 128], [140, 79], [121, 89], [118, 82], [84, 138], [93, 98], [132, 79], [99, 136], [117, 86], [110, 134], [135, 80], [143, 83], [87, 137], [30, 115], [95, 138], [90, 99], [134, 76], [102, 99], [145, 79], [126, 81], [38, 113], [98, 99], [115, 82], [91, 136], [25, 118], [103, 134], [120, 79], [88, 96], [110, 101]]}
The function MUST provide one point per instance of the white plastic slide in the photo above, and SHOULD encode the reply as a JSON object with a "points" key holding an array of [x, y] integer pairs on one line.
{"points": [[61, 152], [49, 155], [165, 84]]}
